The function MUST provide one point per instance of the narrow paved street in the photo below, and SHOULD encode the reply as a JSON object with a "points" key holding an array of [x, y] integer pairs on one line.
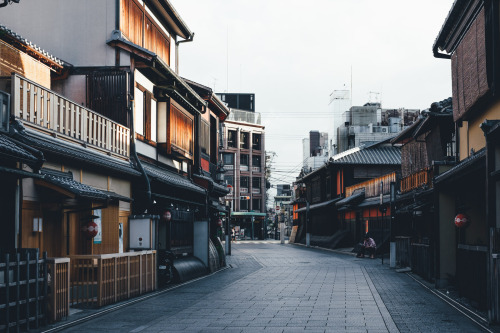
{"points": [[284, 288]]}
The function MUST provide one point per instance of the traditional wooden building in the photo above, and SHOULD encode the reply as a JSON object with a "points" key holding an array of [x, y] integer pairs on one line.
{"points": [[334, 217], [427, 149], [468, 254], [125, 124]]}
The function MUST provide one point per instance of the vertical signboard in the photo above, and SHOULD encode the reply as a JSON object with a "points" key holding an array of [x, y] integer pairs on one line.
{"points": [[98, 221]]}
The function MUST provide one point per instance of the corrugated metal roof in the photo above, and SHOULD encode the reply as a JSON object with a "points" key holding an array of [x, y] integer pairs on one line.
{"points": [[371, 155]]}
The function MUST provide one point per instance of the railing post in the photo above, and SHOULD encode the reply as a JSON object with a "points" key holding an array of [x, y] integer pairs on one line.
{"points": [[140, 274], [116, 280], [128, 276], [27, 290], [99, 282], [7, 291]]}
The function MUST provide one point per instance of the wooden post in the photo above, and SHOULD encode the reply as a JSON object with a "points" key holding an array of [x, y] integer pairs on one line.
{"points": [[45, 287], [27, 291], [7, 291], [128, 276], [116, 280], [99, 282]]}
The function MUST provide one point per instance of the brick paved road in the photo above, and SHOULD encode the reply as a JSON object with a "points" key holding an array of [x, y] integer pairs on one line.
{"points": [[285, 288]]}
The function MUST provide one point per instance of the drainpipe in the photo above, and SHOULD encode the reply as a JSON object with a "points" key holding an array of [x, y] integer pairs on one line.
{"points": [[177, 42], [133, 150]]}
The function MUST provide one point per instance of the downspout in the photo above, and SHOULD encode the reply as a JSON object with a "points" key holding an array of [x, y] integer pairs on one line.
{"points": [[177, 42], [133, 150]]}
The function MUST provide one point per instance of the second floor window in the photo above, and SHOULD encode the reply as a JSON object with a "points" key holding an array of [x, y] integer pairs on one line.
{"points": [[228, 158], [244, 159], [244, 137], [256, 141], [256, 182], [229, 180], [256, 161], [244, 181], [231, 139], [256, 205], [205, 137], [145, 114]]}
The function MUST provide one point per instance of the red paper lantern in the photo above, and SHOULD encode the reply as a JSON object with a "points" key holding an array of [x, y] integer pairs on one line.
{"points": [[167, 215], [91, 229], [219, 222], [461, 220]]}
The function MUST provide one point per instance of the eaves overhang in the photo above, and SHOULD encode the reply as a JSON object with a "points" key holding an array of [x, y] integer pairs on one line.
{"points": [[168, 81], [168, 13], [461, 16], [26, 46], [214, 102]]}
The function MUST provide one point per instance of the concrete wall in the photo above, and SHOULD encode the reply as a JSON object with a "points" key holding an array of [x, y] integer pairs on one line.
{"points": [[73, 30]]}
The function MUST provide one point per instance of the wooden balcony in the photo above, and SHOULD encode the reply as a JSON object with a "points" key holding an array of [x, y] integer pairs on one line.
{"points": [[98, 280], [417, 180], [372, 186], [47, 111]]}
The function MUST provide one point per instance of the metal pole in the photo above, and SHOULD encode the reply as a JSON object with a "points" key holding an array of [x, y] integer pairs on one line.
{"points": [[253, 219], [381, 203], [392, 258], [308, 235]]}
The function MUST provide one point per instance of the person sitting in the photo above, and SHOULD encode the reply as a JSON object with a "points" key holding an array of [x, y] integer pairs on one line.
{"points": [[367, 246]]}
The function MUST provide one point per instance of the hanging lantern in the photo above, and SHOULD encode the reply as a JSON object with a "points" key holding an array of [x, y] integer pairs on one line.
{"points": [[461, 220], [91, 229], [166, 216], [219, 222]]}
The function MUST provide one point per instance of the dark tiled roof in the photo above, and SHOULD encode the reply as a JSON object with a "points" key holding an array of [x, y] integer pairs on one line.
{"points": [[479, 157], [318, 205], [442, 108], [172, 179], [24, 41], [12, 150], [56, 146], [65, 181], [357, 196], [217, 188], [372, 155]]}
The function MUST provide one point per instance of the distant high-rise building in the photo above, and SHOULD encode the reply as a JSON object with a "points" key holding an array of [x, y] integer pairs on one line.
{"points": [[370, 123], [315, 150], [340, 101], [239, 101]]}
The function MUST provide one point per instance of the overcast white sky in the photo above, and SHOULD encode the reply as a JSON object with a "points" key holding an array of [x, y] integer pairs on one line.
{"points": [[293, 54]]}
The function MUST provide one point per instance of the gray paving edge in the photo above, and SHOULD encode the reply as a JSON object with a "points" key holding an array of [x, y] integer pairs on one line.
{"points": [[100, 312], [389, 323]]}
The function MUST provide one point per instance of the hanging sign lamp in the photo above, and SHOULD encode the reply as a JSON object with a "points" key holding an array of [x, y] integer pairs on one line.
{"points": [[91, 229]]}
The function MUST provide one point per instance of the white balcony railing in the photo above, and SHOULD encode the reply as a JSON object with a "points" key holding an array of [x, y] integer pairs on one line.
{"points": [[46, 110], [243, 167], [256, 190], [256, 169], [243, 190]]}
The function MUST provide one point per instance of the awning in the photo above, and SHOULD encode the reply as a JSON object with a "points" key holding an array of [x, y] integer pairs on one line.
{"points": [[214, 188], [63, 183], [318, 205], [357, 196], [247, 214], [472, 163], [14, 151], [171, 179], [19, 173]]}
